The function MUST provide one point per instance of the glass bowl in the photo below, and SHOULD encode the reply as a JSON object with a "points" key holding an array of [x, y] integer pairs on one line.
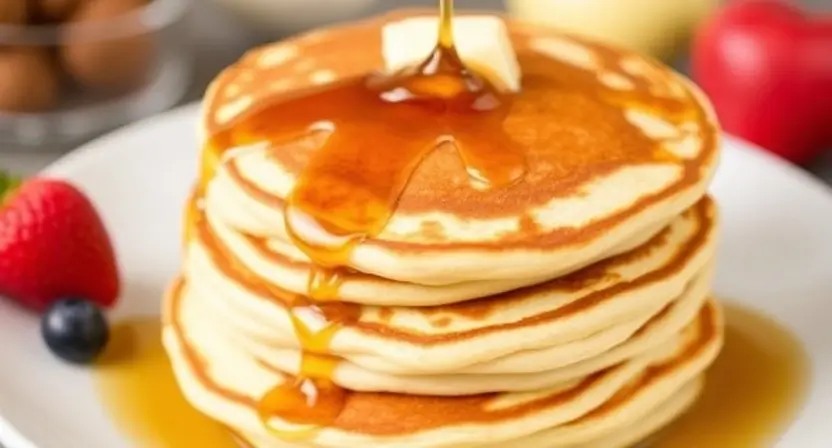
{"points": [[66, 81]]}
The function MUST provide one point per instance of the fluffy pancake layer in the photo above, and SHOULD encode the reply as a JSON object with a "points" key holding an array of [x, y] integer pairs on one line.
{"points": [[226, 383], [594, 185], [529, 330], [600, 357]]}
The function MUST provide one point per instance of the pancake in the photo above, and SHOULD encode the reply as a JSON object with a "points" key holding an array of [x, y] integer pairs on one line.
{"points": [[552, 366], [547, 367], [626, 422], [290, 268], [627, 428], [622, 149], [403, 340], [227, 384], [570, 308]]}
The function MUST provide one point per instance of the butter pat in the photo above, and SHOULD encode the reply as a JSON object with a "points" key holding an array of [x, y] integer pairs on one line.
{"points": [[482, 43]]}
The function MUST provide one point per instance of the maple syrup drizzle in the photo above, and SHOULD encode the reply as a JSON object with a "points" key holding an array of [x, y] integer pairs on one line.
{"points": [[348, 191], [345, 195], [311, 399]]}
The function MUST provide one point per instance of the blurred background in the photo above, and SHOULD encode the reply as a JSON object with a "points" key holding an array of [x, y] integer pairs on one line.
{"points": [[71, 70]]}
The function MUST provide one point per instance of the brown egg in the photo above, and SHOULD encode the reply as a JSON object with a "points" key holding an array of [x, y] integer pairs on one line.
{"points": [[107, 64], [14, 11], [29, 81], [53, 10]]}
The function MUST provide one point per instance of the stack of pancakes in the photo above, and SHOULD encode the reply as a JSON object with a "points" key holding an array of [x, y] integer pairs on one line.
{"points": [[569, 310]]}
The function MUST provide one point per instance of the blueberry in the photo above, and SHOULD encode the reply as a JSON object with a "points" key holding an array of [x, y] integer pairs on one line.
{"points": [[75, 330]]}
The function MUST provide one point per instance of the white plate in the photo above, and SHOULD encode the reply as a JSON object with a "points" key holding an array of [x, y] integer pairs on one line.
{"points": [[775, 255]]}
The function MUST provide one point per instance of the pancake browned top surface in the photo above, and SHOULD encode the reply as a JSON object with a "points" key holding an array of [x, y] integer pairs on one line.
{"points": [[581, 114]]}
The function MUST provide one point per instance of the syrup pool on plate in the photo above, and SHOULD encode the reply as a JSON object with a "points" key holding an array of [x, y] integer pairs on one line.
{"points": [[752, 391], [137, 387]]}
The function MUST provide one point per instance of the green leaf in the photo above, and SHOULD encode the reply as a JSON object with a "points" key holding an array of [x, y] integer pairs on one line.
{"points": [[8, 184]]}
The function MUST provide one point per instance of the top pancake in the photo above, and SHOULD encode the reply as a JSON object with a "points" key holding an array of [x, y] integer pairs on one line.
{"points": [[616, 144]]}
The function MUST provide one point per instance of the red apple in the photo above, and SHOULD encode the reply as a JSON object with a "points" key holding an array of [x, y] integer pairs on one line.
{"points": [[767, 67]]}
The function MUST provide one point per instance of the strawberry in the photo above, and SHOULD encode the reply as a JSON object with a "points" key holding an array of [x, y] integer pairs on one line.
{"points": [[53, 245]]}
